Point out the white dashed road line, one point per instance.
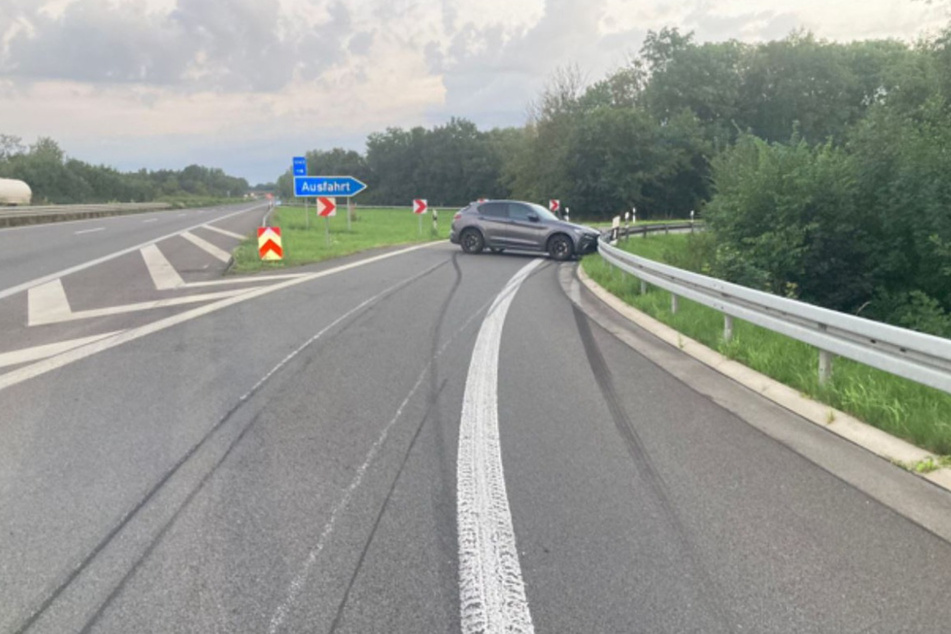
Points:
(491, 590)
(79, 233)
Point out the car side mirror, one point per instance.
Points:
(533, 217)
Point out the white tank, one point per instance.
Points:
(13, 192)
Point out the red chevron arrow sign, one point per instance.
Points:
(554, 204)
(419, 206)
(326, 207)
(269, 243)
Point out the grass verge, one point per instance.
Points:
(919, 414)
(305, 244)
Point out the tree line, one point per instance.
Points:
(56, 178)
(822, 168)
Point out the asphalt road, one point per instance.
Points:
(424, 441)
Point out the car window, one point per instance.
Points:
(519, 212)
(494, 210)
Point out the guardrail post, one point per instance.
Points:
(643, 287)
(727, 327)
(674, 304)
(825, 362)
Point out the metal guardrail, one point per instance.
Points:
(922, 358)
(49, 210)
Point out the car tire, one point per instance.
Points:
(472, 241)
(560, 247)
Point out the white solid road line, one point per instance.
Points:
(48, 365)
(46, 312)
(13, 290)
(150, 220)
(224, 232)
(79, 233)
(206, 246)
(491, 590)
(163, 273)
(36, 353)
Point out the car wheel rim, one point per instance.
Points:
(561, 248)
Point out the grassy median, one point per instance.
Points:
(371, 227)
(919, 414)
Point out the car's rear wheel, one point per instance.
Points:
(472, 241)
(560, 247)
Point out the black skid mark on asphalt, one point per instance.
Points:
(165, 528)
(338, 617)
(646, 469)
(129, 515)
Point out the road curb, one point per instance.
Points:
(870, 438)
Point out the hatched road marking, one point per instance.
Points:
(43, 366)
(224, 232)
(161, 270)
(7, 292)
(206, 246)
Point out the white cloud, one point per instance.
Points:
(215, 78)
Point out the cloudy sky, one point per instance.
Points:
(246, 84)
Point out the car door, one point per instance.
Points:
(526, 231)
(494, 221)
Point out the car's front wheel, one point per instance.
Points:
(560, 247)
(472, 241)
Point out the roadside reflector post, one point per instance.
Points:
(727, 328)
(615, 228)
(567, 214)
(435, 222)
(691, 221)
(674, 304)
(643, 287)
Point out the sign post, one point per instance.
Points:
(326, 207)
(419, 208)
(300, 169)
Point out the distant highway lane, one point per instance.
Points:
(411, 440)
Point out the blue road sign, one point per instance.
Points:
(342, 186)
(300, 166)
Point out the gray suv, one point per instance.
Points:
(512, 224)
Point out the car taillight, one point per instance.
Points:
(457, 216)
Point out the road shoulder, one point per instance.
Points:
(864, 461)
